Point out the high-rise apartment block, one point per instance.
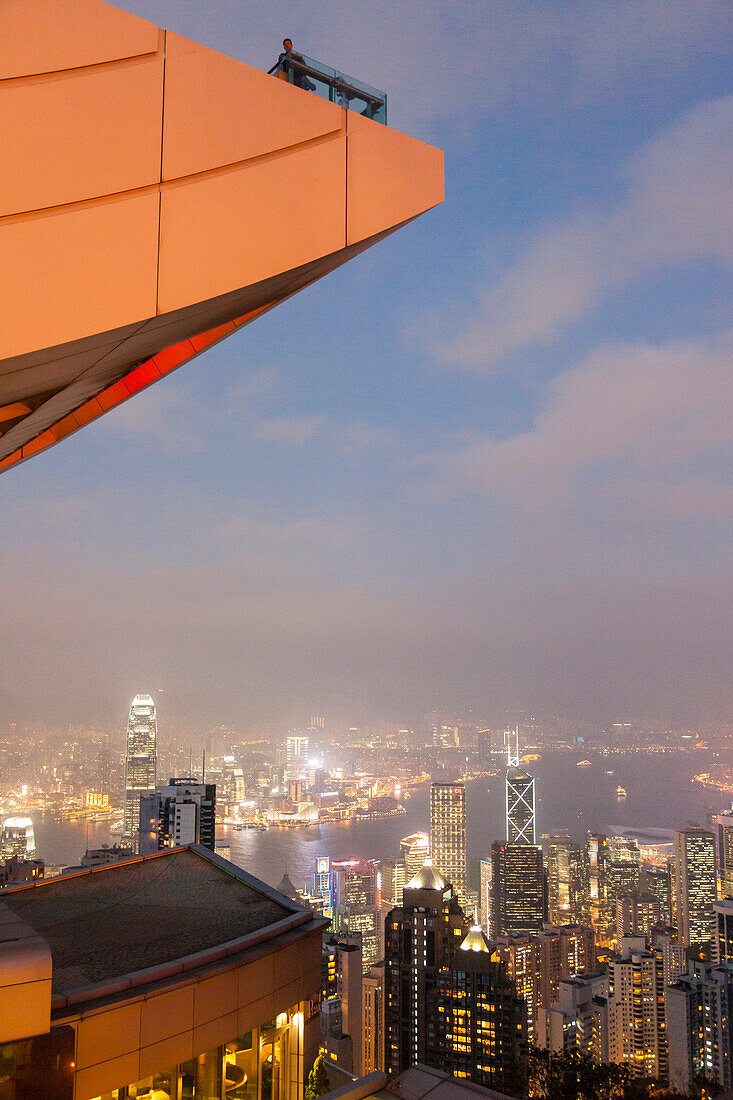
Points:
(480, 1022)
(341, 1020)
(518, 889)
(538, 963)
(181, 812)
(696, 885)
(372, 1016)
(141, 757)
(724, 826)
(637, 1032)
(419, 939)
(723, 940)
(657, 880)
(577, 1022)
(699, 1009)
(448, 833)
(636, 914)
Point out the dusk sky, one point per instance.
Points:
(486, 464)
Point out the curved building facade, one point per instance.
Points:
(156, 196)
(177, 975)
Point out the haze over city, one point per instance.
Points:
(365, 473)
(485, 464)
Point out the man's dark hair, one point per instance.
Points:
(286, 40)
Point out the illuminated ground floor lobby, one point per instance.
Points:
(266, 1063)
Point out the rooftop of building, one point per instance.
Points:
(475, 940)
(427, 878)
(417, 1083)
(133, 920)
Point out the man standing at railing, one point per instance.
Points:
(300, 80)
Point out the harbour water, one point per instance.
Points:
(660, 795)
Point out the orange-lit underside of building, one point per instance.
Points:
(154, 197)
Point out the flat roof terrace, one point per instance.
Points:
(147, 918)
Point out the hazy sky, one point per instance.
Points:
(487, 462)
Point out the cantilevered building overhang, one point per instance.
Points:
(154, 197)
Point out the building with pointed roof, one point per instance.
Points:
(427, 878)
(475, 940)
(448, 1004)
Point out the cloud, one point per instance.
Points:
(360, 435)
(289, 431)
(649, 428)
(677, 209)
(179, 414)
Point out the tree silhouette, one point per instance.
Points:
(317, 1079)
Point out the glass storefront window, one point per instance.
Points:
(159, 1086)
(240, 1069)
(271, 1067)
(201, 1078)
(263, 1064)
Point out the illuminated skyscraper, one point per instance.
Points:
(724, 823)
(393, 881)
(623, 870)
(296, 756)
(372, 1020)
(447, 1004)
(518, 889)
(17, 838)
(140, 760)
(484, 897)
(448, 833)
(563, 880)
(414, 850)
(355, 895)
(520, 817)
(696, 885)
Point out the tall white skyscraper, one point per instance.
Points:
(520, 813)
(414, 850)
(140, 760)
(448, 833)
(296, 756)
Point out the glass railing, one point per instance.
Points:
(332, 85)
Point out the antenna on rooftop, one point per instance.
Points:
(512, 754)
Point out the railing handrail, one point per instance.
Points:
(338, 80)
